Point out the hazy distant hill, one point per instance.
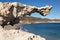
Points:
(30, 20)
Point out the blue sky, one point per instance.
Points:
(54, 13)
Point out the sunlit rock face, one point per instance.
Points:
(11, 13)
(44, 10)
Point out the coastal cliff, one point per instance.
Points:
(31, 20)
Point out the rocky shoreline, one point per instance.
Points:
(18, 35)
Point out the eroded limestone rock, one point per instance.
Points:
(11, 13)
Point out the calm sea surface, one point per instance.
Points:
(50, 31)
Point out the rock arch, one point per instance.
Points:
(11, 13)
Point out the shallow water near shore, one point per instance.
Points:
(50, 31)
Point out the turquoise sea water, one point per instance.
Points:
(50, 31)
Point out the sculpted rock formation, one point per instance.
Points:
(11, 13)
